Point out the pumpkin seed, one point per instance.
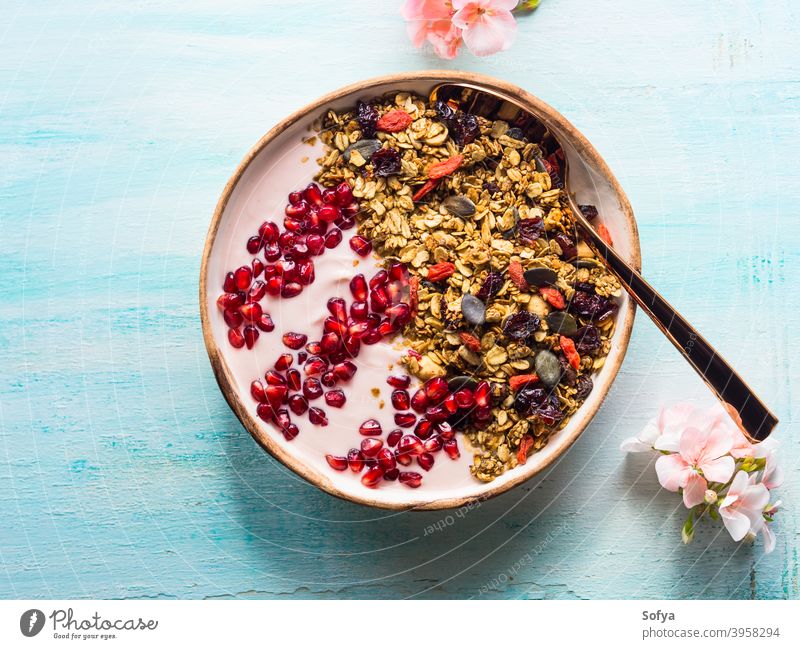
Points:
(365, 149)
(473, 310)
(548, 369)
(459, 205)
(562, 323)
(586, 263)
(540, 276)
(461, 382)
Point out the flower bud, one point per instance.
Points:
(711, 497)
(749, 538)
(687, 531)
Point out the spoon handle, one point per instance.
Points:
(753, 417)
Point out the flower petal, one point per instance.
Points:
(672, 471)
(634, 445)
(718, 442)
(490, 33)
(754, 498)
(719, 470)
(692, 444)
(695, 490)
(737, 524)
(769, 539)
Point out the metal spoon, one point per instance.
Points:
(750, 413)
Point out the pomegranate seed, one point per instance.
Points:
(292, 289)
(329, 379)
(331, 324)
(305, 273)
(300, 251)
(358, 328)
(265, 412)
(257, 291)
(297, 210)
(394, 437)
(410, 445)
(398, 272)
(258, 266)
(400, 382)
(257, 391)
(315, 244)
(335, 398)
(274, 285)
(302, 357)
(381, 278)
(313, 194)
(405, 419)
(391, 474)
(355, 460)
(338, 308)
(265, 323)
(445, 430)
(345, 370)
(287, 240)
(314, 347)
(251, 311)
(371, 337)
(410, 479)
(229, 285)
(425, 460)
(402, 458)
(358, 287)
(482, 413)
(372, 477)
(400, 400)
(436, 389)
(328, 196)
(290, 432)
(371, 428)
(343, 193)
(251, 335)
(329, 213)
(451, 448)
(385, 458)
(436, 414)
(284, 362)
(269, 231)
(482, 394)
(295, 197)
(293, 379)
(419, 401)
(432, 444)
(315, 366)
(233, 319)
(336, 462)
(298, 404)
(449, 404)
(352, 346)
(312, 389)
(254, 244)
(329, 343)
(294, 340)
(317, 416)
(276, 394)
(229, 301)
(371, 446)
(243, 276)
(333, 238)
(464, 398)
(235, 338)
(378, 300)
(423, 428)
(272, 252)
(387, 328)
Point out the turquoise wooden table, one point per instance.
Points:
(123, 474)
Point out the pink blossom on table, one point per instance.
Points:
(702, 458)
(742, 508)
(488, 25)
(772, 477)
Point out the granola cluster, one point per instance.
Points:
(506, 290)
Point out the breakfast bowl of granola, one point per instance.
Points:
(395, 299)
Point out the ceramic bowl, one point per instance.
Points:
(281, 162)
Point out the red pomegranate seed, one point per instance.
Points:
(329, 379)
(313, 194)
(272, 252)
(290, 432)
(445, 430)
(329, 343)
(451, 448)
(356, 328)
(305, 273)
(230, 301)
(410, 479)
(405, 419)
(423, 428)
(409, 444)
(276, 394)
(229, 285)
(345, 370)
(391, 474)
(317, 416)
(328, 196)
(233, 319)
(251, 335)
(450, 404)
(257, 391)
(333, 238)
(436, 414)
(312, 388)
(265, 323)
(329, 213)
(284, 362)
(371, 446)
(257, 291)
(243, 276)
(298, 404)
(344, 195)
(398, 272)
(254, 245)
(292, 289)
(360, 245)
(345, 223)
(251, 311)
(355, 460)
(274, 285)
(314, 347)
(381, 278)
(302, 356)
(387, 328)
(235, 338)
(371, 337)
(269, 231)
(371, 428)
(432, 444)
(394, 437)
(483, 394)
(338, 308)
(258, 266)
(402, 458)
(425, 460)
(336, 462)
(419, 401)
(352, 346)
(436, 389)
(315, 244)
(335, 398)
(378, 300)
(358, 287)
(315, 366)
(464, 398)
(331, 324)
(297, 210)
(294, 340)
(385, 458)
(400, 400)
(372, 477)
(265, 412)
(400, 382)
(293, 379)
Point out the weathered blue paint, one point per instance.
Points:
(122, 471)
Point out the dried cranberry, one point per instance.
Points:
(385, 162)
(550, 413)
(367, 117)
(491, 286)
(528, 399)
(587, 339)
(589, 211)
(591, 306)
(528, 230)
(520, 326)
(464, 127)
(567, 245)
(583, 386)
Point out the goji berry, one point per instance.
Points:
(445, 167)
(470, 342)
(553, 297)
(440, 271)
(516, 274)
(424, 190)
(568, 347)
(394, 121)
(605, 235)
(524, 446)
(516, 382)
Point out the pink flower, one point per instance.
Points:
(664, 432)
(488, 25)
(701, 458)
(742, 509)
(431, 20)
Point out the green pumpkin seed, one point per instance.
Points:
(473, 310)
(364, 147)
(459, 205)
(461, 382)
(586, 263)
(540, 276)
(548, 369)
(562, 323)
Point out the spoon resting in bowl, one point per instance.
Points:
(746, 409)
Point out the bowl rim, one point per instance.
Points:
(223, 373)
